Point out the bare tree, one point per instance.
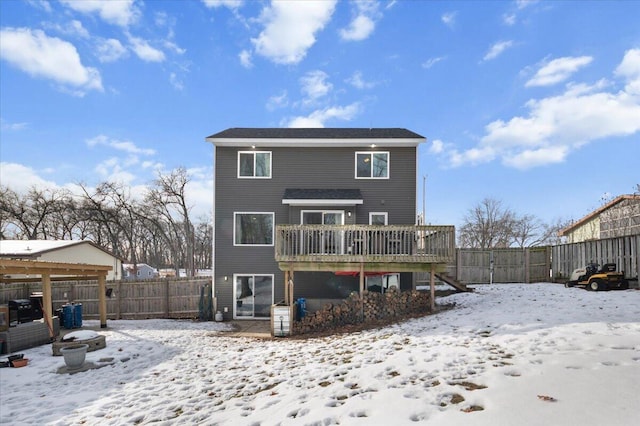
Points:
(203, 243)
(157, 230)
(487, 225)
(96, 208)
(167, 200)
(29, 213)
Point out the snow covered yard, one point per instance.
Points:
(537, 354)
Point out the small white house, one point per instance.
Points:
(141, 271)
(66, 251)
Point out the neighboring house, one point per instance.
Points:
(296, 205)
(67, 251)
(620, 217)
(141, 271)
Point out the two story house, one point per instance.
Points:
(316, 213)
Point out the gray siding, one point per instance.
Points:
(299, 168)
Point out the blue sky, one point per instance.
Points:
(533, 103)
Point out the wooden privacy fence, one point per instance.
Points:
(165, 298)
(623, 251)
(517, 265)
(542, 264)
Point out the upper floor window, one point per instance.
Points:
(253, 229)
(372, 165)
(378, 218)
(254, 164)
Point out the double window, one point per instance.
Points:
(253, 229)
(372, 165)
(254, 164)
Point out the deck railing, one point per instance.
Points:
(365, 243)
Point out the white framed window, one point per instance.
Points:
(254, 164)
(378, 218)
(372, 165)
(253, 229)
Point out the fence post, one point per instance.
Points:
(166, 294)
(527, 266)
(119, 301)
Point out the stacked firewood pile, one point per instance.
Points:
(373, 308)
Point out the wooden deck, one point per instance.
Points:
(401, 248)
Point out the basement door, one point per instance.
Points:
(253, 295)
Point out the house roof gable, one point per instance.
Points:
(596, 213)
(242, 136)
(35, 248)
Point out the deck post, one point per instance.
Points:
(286, 286)
(102, 299)
(291, 287)
(47, 313)
(432, 288)
(362, 290)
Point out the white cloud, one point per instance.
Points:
(319, 117)
(176, 81)
(22, 178)
(629, 69)
(40, 4)
(436, 146)
(558, 70)
(75, 27)
(125, 146)
(557, 125)
(315, 85)
(110, 50)
(449, 19)
(4, 125)
(277, 101)
(290, 29)
(170, 45)
(357, 81)
(145, 51)
(71, 28)
(509, 19)
(364, 22)
(431, 62)
(120, 12)
(528, 159)
(231, 4)
(471, 156)
(245, 59)
(47, 57)
(522, 4)
(111, 170)
(359, 29)
(497, 49)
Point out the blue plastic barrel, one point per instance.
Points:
(67, 316)
(302, 306)
(77, 315)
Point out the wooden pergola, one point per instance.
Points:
(46, 272)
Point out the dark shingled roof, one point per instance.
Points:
(321, 194)
(315, 133)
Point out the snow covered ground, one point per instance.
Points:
(537, 354)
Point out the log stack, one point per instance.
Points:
(373, 308)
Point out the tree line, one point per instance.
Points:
(490, 224)
(156, 229)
